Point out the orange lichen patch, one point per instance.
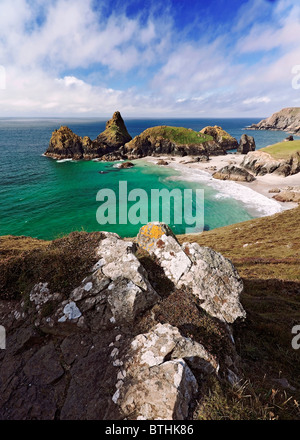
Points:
(149, 234)
(152, 231)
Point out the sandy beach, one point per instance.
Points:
(262, 184)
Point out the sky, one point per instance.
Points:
(170, 58)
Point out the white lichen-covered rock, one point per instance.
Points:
(215, 281)
(155, 380)
(40, 294)
(118, 260)
(118, 281)
(162, 393)
(158, 239)
(70, 312)
(210, 276)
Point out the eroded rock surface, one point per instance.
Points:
(207, 273)
(233, 172)
(101, 350)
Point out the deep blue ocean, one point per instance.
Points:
(45, 198)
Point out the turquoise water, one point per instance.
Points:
(45, 198)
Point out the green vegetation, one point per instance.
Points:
(282, 150)
(178, 135)
(266, 252)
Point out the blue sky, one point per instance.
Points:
(171, 58)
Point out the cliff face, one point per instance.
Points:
(174, 141)
(64, 144)
(287, 119)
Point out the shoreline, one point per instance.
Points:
(261, 184)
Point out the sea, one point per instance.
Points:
(46, 198)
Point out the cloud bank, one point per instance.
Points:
(85, 58)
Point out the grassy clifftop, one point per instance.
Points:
(178, 135)
(282, 150)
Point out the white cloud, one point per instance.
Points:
(211, 74)
(257, 100)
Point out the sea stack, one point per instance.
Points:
(247, 143)
(64, 144)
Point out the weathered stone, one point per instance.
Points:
(224, 139)
(215, 281)
(64, 144)
(287, 119)
(233, 172)
(159, 240)
(154, 387)
(261, 163)
(247, 143)
(95, 365)
(209, 275)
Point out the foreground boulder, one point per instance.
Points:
(156, 366)
(210, 276)
(105, 349)
(233, 172)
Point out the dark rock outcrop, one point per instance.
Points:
(233, 172)
(287, 119)
(106, 349)
(64, 144)
(126, 165)
(247, 143)
(289, 138)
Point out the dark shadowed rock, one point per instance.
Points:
(125, 165)
(247, 143)
(289, 138)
